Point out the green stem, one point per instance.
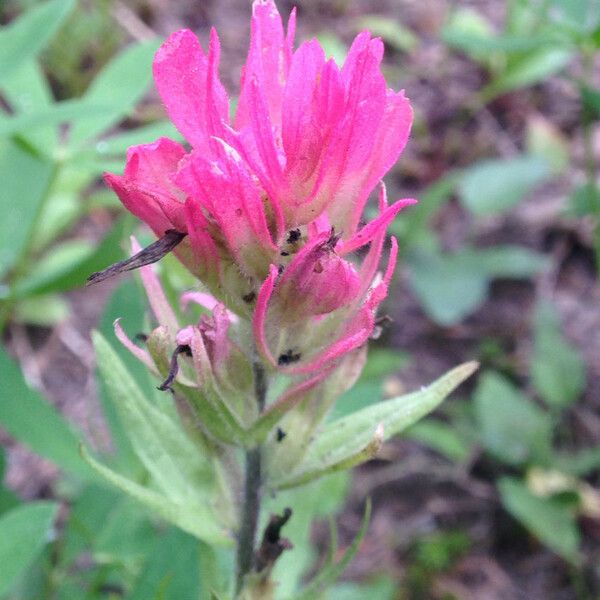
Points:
(252, 484)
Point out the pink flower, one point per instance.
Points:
(272, 201)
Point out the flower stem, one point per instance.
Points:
(252, 483)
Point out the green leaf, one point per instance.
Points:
(318, 500)
(32, 420)
(391, 31)
(448, 286)
(546, 140)
(118, 144)
(590, 99)
(495, 186)
(334, 47)
(72, 111)
(509, 261)
(127, 303)
(410, 224)
(125, 535)
(557, 370)
(171, 570)
(24, 531)
(451, 286)
(179, 467)
(580, 463)
(440, 437)
(549, 520)
(44, 311)
(332, 571)
(68, 266)
(26, 36)
(8, 499)
(194, 519)
(383, 588)
(511, 427)
(120, 85)
(25, 181)
(357, 437)
(585, 200)
(529, 69)
(27, 91)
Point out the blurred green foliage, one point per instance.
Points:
(67, 85)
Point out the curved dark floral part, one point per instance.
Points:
(147, 256)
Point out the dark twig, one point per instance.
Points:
(151, 254)
(174, 367)
(273, 544)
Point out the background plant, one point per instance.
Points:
(553, 219)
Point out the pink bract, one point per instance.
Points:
(272, 200)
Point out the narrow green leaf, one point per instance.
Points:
(171, 571)
(190, 518)
(494, 186)
(557, 370)
(32, 420)
(530, 69)
(590, 98)
(118, 144)
(24, 38)
(120, 85)
(580, 463)
(441, 437)
(331, 573)
(392, 31)
(73, 270)
(25, 181)
(177, 465)
(24, 531)
(549, 520)
(27, 92)
(350, 439)
(72, 111)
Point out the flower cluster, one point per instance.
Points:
(271, 201)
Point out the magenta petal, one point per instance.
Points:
(190, 88)
(206, 253)
(146, 189)
(140, 353)
(228, 193)
(138, 203)
(379, 293)
(301, 134)
(375, 227)
(260, 315)
(356, 335)
(158, 301)
(267, 62)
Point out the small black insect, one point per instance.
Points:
(284, 253)
(280, 434)
(293, 236)
(288, 357)
(249, 297)
(333, 239)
